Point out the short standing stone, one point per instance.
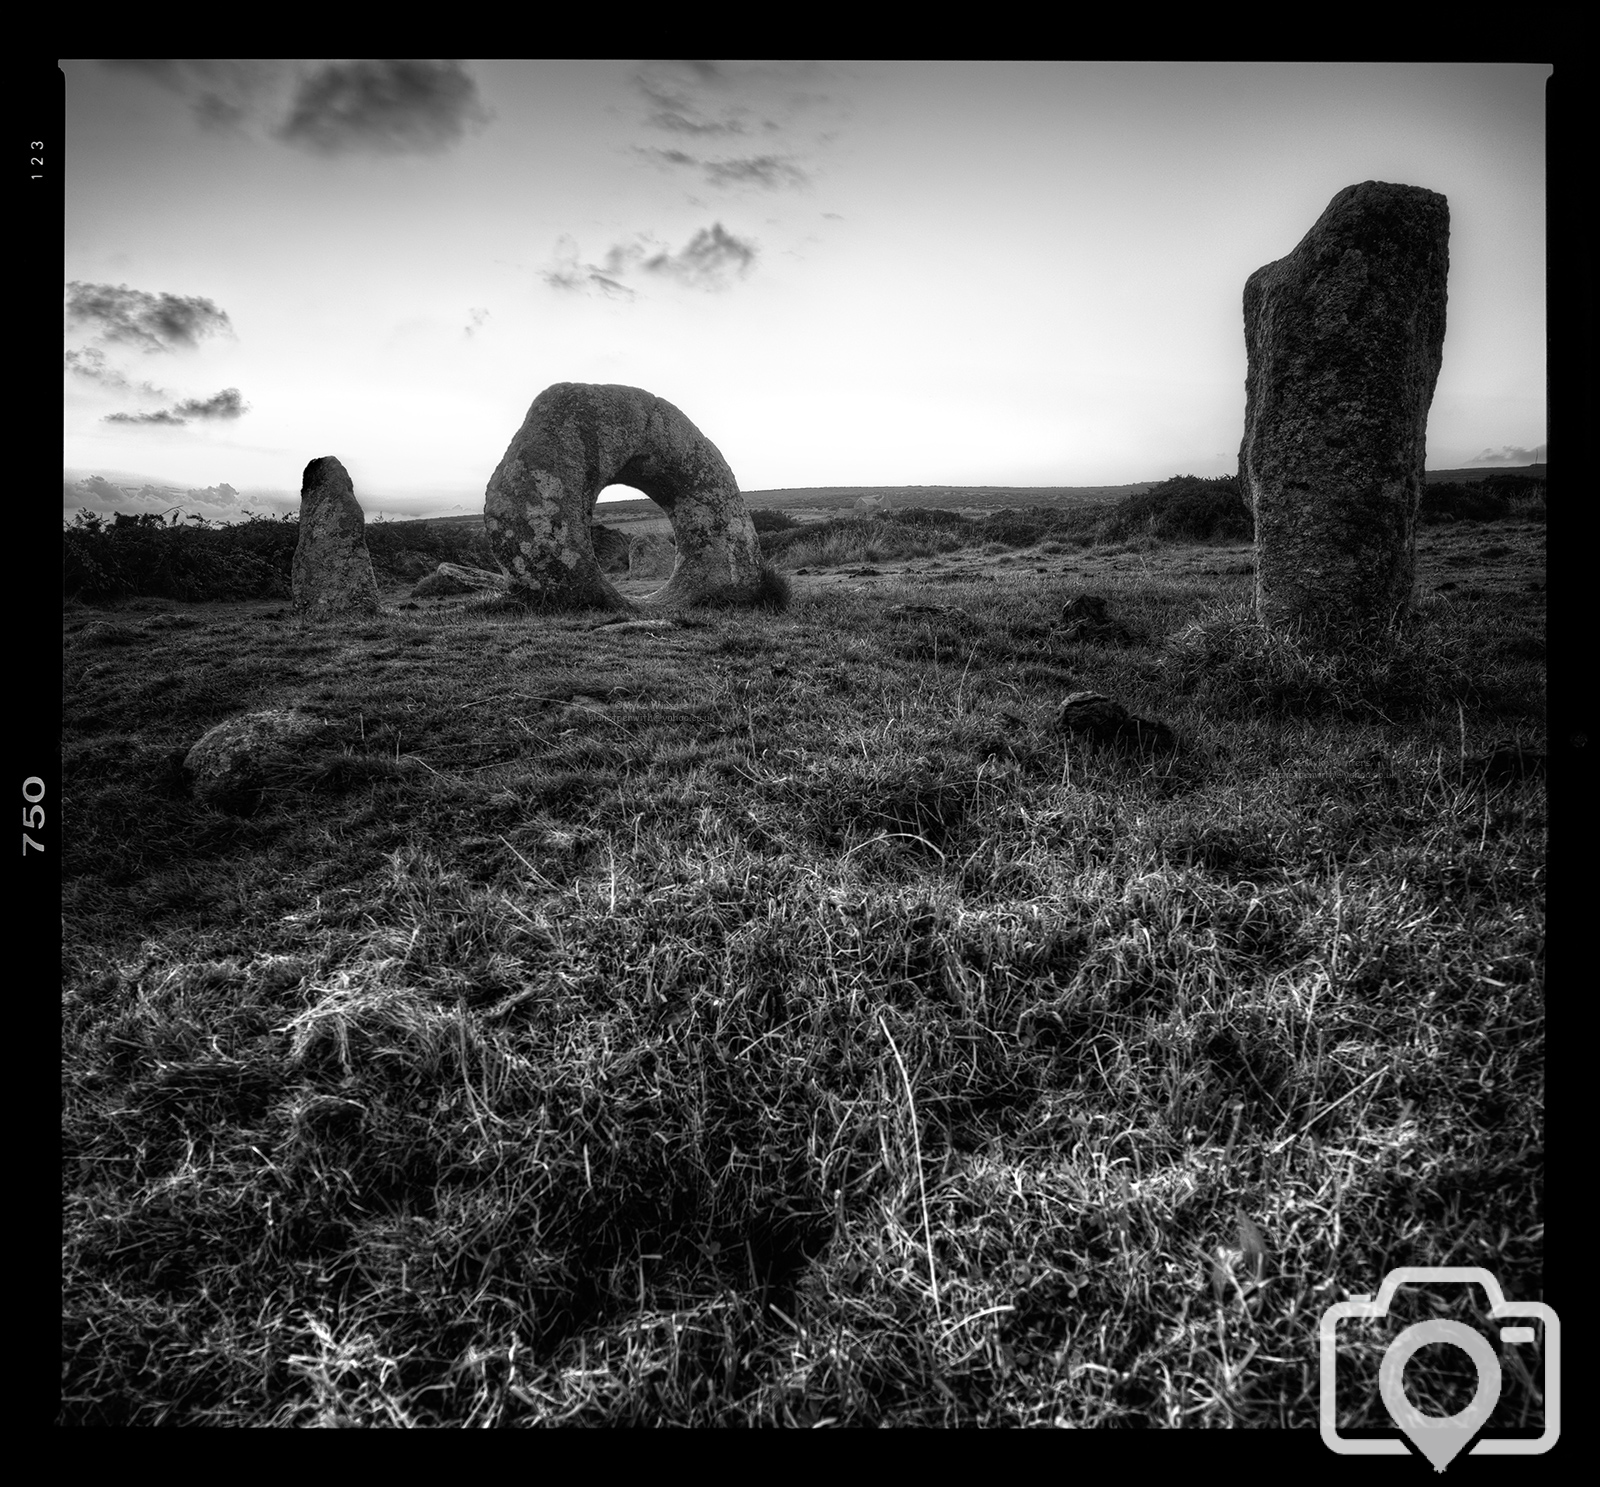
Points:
(332, 568)
(1344, 338)
(580, 437)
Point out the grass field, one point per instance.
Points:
(773, 1019)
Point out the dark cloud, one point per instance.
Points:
(222, 93)
(675, 92)
(1507, 454)
(772, 172)
(383, 107)
(153, 322)
(225, 404)
(712, 255)
(91, 364)
(161, 415)
(708, 99)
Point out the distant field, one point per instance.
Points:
(824, 500)
(821, 500)
(1481, 472)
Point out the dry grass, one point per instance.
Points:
(770, 1019)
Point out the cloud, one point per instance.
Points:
(153, 322)
(588, 280)
(222, 93)
(704, 99)
(104, 497)
(570, 274)
(225, 404)
(710, 257)
(771, 172)
(676, 93)
(218, 497)
(1507, 454)
(477, 317)
(91, 364)
(96, 492)
(387, 108)
(161, 415)
(794, 109)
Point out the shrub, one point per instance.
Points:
(1451, 501)
(142, 555)
(774, 521)
(928, 517)
(194, 559)
(773, 591)
(1493, 498)
(859, 539)
(1185, 508)
(1516, 487)
(1018, 528)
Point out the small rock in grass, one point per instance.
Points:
(1104, 720)
(230, 767)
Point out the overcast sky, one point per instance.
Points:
(866, 273)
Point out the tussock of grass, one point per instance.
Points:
(771, 1019)
(1428, 665)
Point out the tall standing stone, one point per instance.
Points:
(578, 438)
(1345, 338)
(332, 567)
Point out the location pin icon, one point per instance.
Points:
(1439, 1437)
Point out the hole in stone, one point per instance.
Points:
(639, 518)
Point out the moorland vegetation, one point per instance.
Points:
(771, 1017)
(186, 557)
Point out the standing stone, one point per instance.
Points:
(580, 437)
(332, 568)
(1344, 338)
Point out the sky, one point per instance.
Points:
(845, 274)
